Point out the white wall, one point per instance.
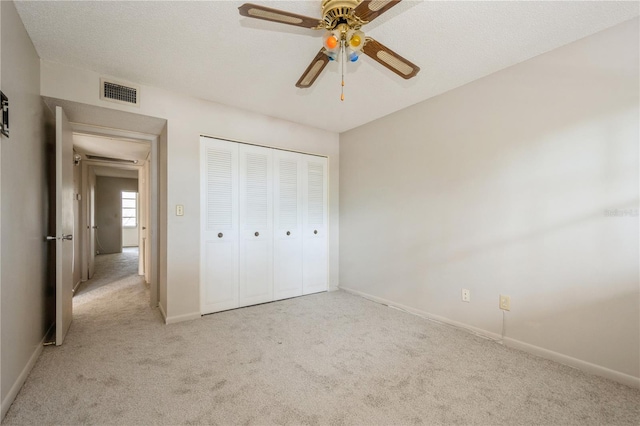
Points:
(188, 118)
(24, 209)
(502, 187)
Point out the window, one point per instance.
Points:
(129, 209)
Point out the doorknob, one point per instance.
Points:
(220, 235)
(256, 234)
(49, 238)
(288, 232)
(315, 231)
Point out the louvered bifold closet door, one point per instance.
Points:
(287, 268)
(219, 215)
(314, 222)
(256, 225)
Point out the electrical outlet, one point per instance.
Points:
(505, 303)
(466, 295)
(179, 210)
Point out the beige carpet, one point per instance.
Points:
(330, 358)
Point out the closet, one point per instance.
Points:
(263, 225)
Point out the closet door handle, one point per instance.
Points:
(288, 233)
(219, 234)
(257, 234)
(315, 231)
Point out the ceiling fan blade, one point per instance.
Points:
(390, 59)
(275, 15)
(313, 70)
(369, 10)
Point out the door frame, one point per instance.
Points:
(152, 200)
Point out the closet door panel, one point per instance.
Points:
(256, 225)
(287, 225)
(219, 216)
(315, 266)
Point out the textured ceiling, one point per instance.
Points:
(205, 49)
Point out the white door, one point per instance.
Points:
(315, 276)
(92, 222)
(147, 220)
(256, 225)
(219, 236)
(287, 269)
(64, 225)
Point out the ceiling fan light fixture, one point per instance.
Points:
(343, 39)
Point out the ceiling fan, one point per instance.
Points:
(342, 21)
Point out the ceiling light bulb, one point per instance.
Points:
(356, 40)
(330, 41)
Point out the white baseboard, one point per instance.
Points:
(17, 385)
(180, 318)
(478, 331)
(585, 366)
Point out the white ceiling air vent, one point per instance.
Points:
(122, 93)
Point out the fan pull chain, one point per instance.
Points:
(343, 59)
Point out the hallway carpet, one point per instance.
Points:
(330, 358)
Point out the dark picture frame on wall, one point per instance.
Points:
(5, 114)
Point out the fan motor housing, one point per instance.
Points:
(336, 12)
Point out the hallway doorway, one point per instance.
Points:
(105, 140)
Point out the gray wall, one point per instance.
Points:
(24, 208)
(504, 186)
(109, 213)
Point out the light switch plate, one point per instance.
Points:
(505, 303)
(179, 210)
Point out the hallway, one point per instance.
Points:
(113, 295)
(110, 269)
